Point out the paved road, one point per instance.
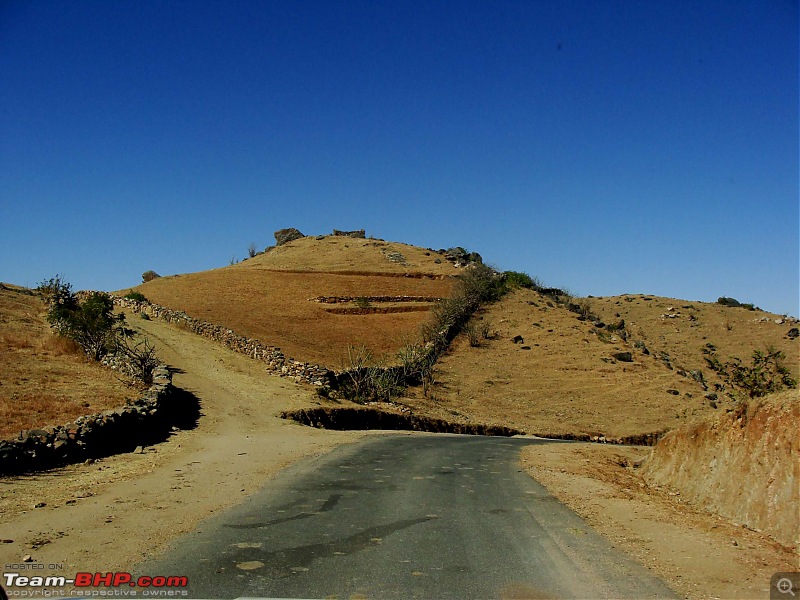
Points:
(405, 516)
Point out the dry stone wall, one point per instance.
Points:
(92, 436)
(274, 360)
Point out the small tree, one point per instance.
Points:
(91, 323)
(252, 250)
(94, 325)
(766, 373)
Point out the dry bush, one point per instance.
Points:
(60, 346)
(367, 379)
(473, 334)
(15, 341)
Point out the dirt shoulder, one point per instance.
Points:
(113, 513)
(699, 555)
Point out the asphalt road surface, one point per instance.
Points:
(405, 516)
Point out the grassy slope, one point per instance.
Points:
(44, 379)
(562, 384)
(269, 297)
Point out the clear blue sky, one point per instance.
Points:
(604, 146)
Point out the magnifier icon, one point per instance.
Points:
(784, 586)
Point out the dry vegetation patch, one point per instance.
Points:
(277, 307)
(560, 376)
(343, 254)
(44, 379)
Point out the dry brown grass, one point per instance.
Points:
(562, 384)
(44, 379)
(270, 299)
(342, 254)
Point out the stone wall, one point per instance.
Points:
(357, 233)
(274, 360)
(92, 436)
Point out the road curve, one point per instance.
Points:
(405, 516)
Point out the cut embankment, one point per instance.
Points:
(369, 418)
(344, 419)
(741, 465)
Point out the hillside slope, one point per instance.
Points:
(562, 377)
(273, 296)
(44, 379)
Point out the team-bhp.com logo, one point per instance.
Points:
(19, 585)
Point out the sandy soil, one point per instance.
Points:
(697, 554)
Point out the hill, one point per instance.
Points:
(275, 297)
(616, 366)
(547, 370)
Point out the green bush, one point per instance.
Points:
(734, 303)
(765, 374)
(136, 296)
(91, 323)
(515, 279)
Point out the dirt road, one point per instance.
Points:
(114, 513)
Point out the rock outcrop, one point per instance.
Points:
(284, 236)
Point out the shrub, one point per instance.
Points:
(140, 358)
(362, 302)
(766, 373)
(91, 323)
(365, 379)
(252, 250)
(416, 361)
(136, 296)
(149, 276)
(58, 293)
(515, 279)
(473, 334)
(733, 302)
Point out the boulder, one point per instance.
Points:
(149, 276)
(284, 236)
